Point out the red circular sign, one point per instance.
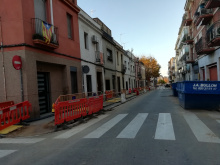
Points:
(16, 61)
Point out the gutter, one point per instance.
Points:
(3, 64)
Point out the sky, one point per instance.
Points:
(148, 27)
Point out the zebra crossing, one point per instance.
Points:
(164, 130)
(133, 127)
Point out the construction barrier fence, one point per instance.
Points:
(6, 104)
(14, 114)
(77, 108)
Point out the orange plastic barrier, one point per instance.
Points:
(95, 104)
(109, 94)
(6, 104)
(14, 114)
(70, 110)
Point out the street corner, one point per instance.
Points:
(31, 130)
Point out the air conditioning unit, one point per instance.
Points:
(217, 32)
(94, 39)
(204, 11)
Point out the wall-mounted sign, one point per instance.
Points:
(16, 61)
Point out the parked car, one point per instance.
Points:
(167, 85)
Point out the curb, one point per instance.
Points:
(105, 108)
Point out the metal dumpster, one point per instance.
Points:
(175, 93)
(199, 94)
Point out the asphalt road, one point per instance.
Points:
(149, 130)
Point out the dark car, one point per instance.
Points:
(167, 85)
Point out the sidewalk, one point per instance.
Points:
(46, 125)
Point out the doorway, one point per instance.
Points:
(89, 83)
(99, 82)
(44, 92)
(119, 86)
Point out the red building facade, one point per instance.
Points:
(49, 68)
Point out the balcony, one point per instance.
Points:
(203, 17)
(213, 35)
(189, 59)
(184, 35)
(201, 47)
(212, 4)
(189, 40)
(123, 69)
(188, 19)
(184, 53)
(99, 58)
(40, 39)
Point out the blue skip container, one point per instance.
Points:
(175, 93)
(199, 94)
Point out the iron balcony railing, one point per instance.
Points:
(38, 31)
(188, 19)
(201, 47)
(123, 68)
(204, 15)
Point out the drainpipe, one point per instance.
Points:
(3, 65)
(51, 14)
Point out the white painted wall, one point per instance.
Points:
(207, 60)
(89, 26)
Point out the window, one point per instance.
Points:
(69, 26)
(109, 54)
(86, 40)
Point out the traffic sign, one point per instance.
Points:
(16, 61)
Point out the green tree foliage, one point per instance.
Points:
(161, 82)
(152, 67)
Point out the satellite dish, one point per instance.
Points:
(85, 69)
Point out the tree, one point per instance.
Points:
(161, 82)
(152, 67)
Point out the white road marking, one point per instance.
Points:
(164, 130)
(105, 127)
(20, 140)
(133, 127)
(79, 128)
(4, 153)
(218, 121)
(200, 130)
